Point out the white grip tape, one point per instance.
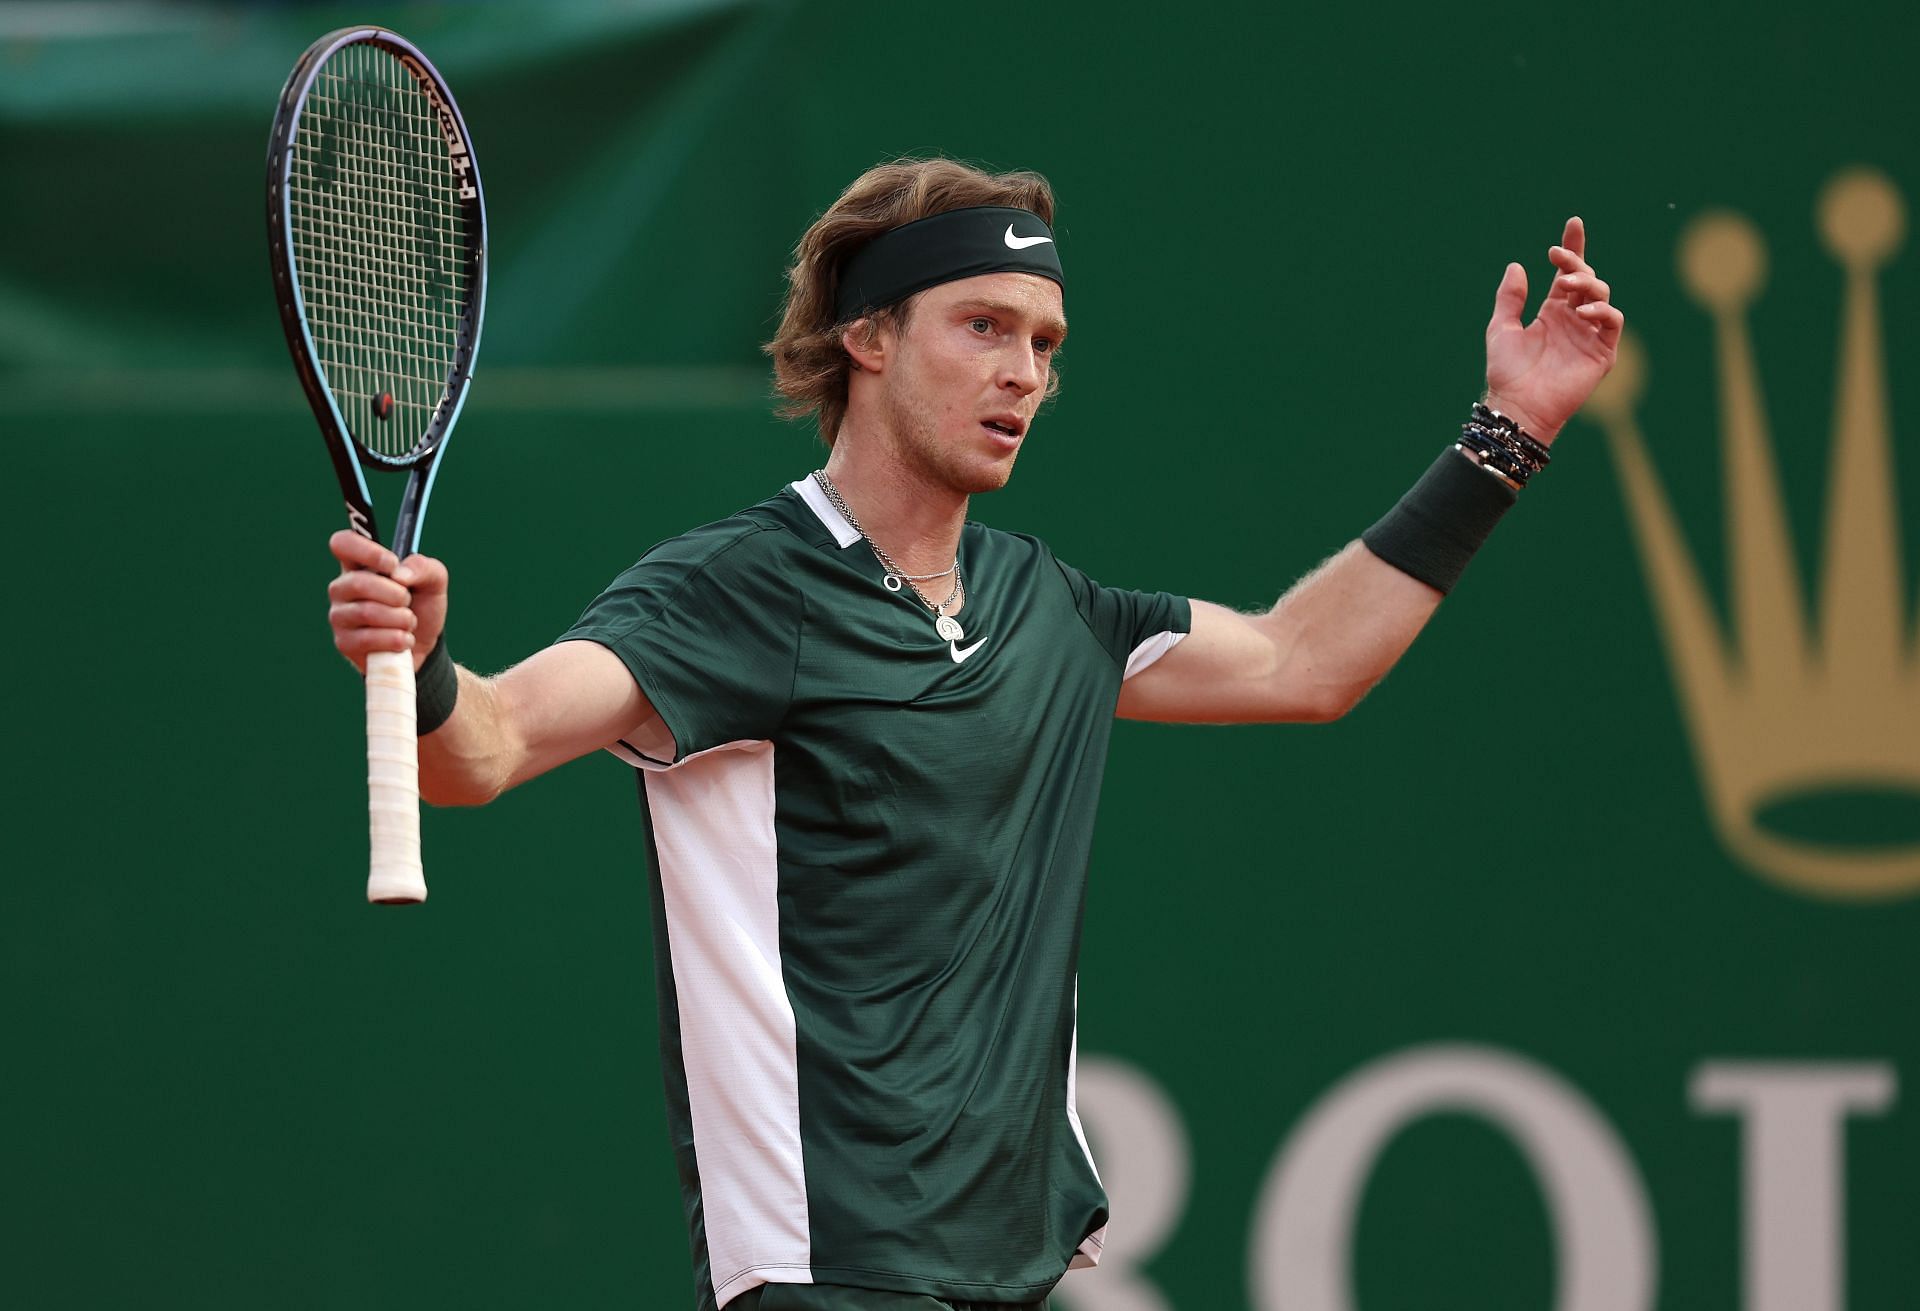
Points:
(393, 780)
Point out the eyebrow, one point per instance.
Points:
(1055, 328)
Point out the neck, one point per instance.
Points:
(913, 517)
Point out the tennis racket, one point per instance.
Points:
(377, 235)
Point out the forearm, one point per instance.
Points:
(1336, 632)
(1339, 630)
(554, 706)
(470, 759)
(1347, 623)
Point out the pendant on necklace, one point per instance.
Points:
(949, 629)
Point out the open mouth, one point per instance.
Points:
(1002, 426)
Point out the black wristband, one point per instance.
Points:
(1441, 521)
(435, 688)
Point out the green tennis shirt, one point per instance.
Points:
(869, 860)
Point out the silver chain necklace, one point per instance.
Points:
(943, 623)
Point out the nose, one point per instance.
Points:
(1023, 370)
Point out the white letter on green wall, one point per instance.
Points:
(1303, 1227)
(1794, 1171)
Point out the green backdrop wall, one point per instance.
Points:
(1484, 997)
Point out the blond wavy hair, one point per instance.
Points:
(810, 362)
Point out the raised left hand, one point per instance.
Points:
(1540, 373)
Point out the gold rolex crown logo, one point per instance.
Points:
(1783, 708)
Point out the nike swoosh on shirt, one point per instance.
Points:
(1021, 243)
(960, 656)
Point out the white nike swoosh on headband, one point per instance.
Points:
(960, 656)
(1021, 243)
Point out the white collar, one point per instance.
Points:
(836, 523)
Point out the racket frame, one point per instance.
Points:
(348, 453)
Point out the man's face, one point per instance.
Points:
(962, 383)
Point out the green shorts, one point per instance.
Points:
(829, 1297)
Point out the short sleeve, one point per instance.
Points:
(709, 628)
(1136, 628)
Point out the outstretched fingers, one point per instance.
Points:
(1576, 285)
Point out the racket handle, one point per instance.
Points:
(393, 781)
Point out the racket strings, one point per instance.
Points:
(381, 246)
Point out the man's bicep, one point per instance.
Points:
(1214, 675)
(574, 698)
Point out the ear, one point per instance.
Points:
(866, 342)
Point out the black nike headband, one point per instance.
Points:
(961, 243)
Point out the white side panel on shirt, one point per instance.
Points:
(719, 876)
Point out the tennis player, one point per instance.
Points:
(871, 736)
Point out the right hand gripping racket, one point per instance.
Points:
(377, 235)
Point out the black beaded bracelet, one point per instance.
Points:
(435, 688)
(1496, 427)
(1493, 457)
